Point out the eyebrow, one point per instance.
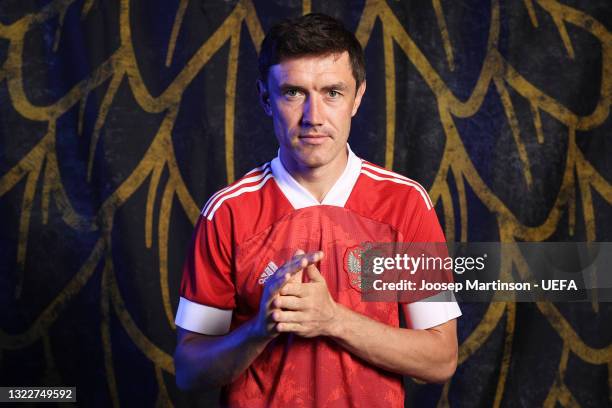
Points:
(286, 86)
(341, 86)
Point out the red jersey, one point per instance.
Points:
(249, 229)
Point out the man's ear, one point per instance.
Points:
(264, 97)
(358, 96)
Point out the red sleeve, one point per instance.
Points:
(421, 226)
(421, 223)
(207, 272)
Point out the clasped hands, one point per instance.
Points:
(290, 305)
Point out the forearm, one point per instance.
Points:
(429, 355)
(213, 361)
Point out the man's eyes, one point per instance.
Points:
(293, 93)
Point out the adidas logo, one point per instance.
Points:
(269, 271)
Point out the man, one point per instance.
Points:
(301, 334)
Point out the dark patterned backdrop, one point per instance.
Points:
(119, 118)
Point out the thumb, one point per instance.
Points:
(313, 274)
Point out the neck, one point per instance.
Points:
(317, 180)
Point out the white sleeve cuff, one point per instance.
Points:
(432, 311)
(202, 319)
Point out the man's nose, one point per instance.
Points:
(312, 112)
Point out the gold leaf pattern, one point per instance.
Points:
(40, 164)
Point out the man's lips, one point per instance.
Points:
(316, 138)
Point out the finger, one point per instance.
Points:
(270, 322)
(297, 277)
(270, 311)
(296, 264)
(311, 258)
(285, 272)
(313, 274)
(299, 261)
(314, 257)
(277, 281)
(289, 327)
(281, 316)
(293, 289)
(288, 303)
(292, 267)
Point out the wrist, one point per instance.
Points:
(337, 323)
(257, 332)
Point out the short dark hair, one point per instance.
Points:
(311, 34)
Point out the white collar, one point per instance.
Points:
(299, 197)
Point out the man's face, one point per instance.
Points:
(311, 100)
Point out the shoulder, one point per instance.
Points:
(398, 201)
(241, 194)
(394, 186)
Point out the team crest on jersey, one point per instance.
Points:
(354, 258)
(352, 263)
(269, 271)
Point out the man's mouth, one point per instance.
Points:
(314, 138)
